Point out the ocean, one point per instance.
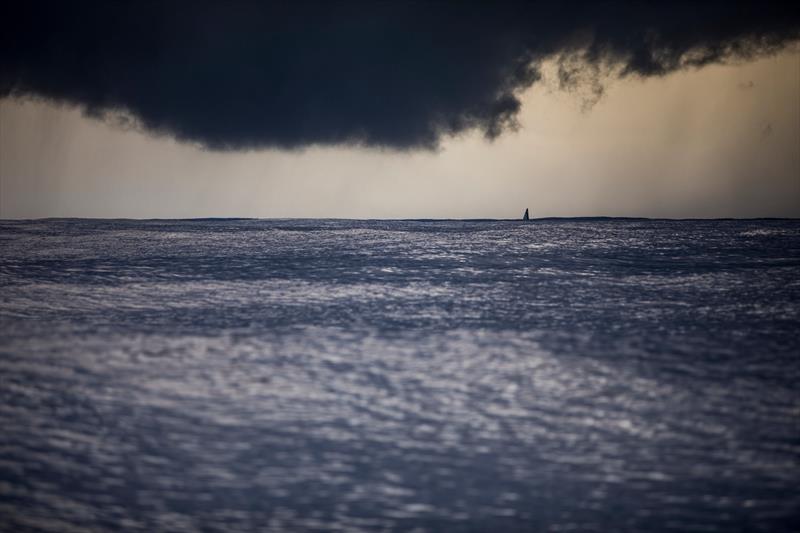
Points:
(340, 375)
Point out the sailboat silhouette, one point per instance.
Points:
(525, 216)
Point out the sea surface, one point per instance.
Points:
(336, 375)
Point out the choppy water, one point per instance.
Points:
(237, 375)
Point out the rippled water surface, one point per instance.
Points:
(239, 375)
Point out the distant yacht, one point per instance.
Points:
(525, 216)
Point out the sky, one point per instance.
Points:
(643, 112)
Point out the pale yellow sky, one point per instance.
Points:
(723, 141)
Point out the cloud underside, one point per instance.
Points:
(233, 76)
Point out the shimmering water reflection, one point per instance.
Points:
(239, 375)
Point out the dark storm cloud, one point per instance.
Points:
(394, 74)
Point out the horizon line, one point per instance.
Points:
(419, 219)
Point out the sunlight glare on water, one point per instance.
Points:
(276, 375)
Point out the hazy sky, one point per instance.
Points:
(399, 109)
(716, 142)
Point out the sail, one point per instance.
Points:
(525, 216)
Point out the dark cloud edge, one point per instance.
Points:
(486, 98)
